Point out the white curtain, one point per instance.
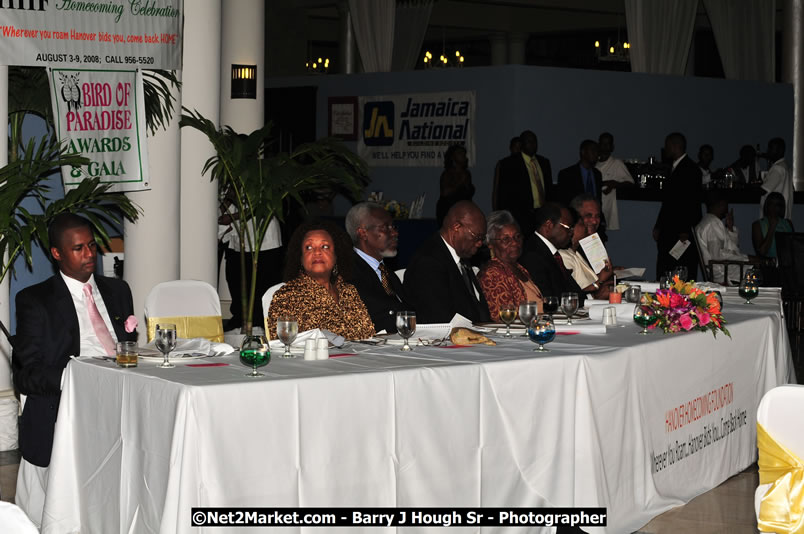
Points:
(412, 18)
(660, 33)
(373, 24)
(745, 36)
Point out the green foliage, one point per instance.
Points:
(158, 98)
(25, 178)
(259, 183)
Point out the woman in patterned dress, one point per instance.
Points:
(504, 281)
(315, 293)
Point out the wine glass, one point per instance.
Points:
(644, 315)
(569, 305)
(254, 352)
(749, 287)
(681, 272)
(550, 305)
(542, 331)
(508, 316)
(527, 311)
(165, 342)
(406, 326)
(287, 328)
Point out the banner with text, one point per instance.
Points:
(92, 33)
(414, 130)
(101, 114)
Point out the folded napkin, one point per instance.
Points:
(625, 311)
(585, 328)
(316, 333)
(198, 345)
(649, 287)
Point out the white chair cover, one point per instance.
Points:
(14, 519)
(182, 298)
(779, 413)
(266, 302)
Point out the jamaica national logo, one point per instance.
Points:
(70, 91)
(378, 123)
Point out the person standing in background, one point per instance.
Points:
(615, 175)
(456, 181)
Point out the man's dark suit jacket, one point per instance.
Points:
(514, 192)
(381, 307)
(545, 272)
(570, 184)
(435, 287)
(47, 335)
(680, 212)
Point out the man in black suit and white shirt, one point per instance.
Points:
(583, 178)
(73, 312)
(439, 280)
(375, 238)
(681, 209)
(525, 181)
(541, 258)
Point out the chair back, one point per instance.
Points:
(266, 302)
(779, 413)
(194, 307)
(790, 255)
(15, 520)
(706, 273)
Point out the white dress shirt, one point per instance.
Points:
(612, 169)
(717, 242)
(457, 260)
(779, 180)
(90, 345)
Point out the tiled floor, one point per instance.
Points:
(729, 508)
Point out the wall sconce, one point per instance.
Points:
(244, 81)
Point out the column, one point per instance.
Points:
(152, 243)
(242, 43)
(516, 47)
(201, 91)
(347, 40)
(792, 64)
(6, 387)
(499, 48)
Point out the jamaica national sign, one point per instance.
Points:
(414, 130)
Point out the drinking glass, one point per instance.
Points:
(569, 305)
(542, 331)
(681, 272)
(633, 293)
(644, 315)
(406, 326)
(550, 305)
(749, 287)
(287, 328)
(165, 342)
(254, 351)
(527, 311)
(508, 316)
(127, 353)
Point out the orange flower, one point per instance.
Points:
(664, 300)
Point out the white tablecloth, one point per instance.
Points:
(588, 424)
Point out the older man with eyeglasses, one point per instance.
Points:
(554, 227)
(375, 238)
(439, 280)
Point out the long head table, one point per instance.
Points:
(636, 424)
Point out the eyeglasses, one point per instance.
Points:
(566, 226)
(475, 236)
(508, 240)
(387, 228)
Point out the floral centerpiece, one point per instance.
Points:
(686, 307)
(398, 210)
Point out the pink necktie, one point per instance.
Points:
(98, 325)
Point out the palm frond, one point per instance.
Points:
(156, 86)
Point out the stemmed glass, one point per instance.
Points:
(550, 305)
(542, 331)
(165, 342)
(254, 352)
(508, 316)
(749, 288)
(406, 326)
(287, 328)
(527, 311)
(681, 272)
(644, 314)
(569, 305)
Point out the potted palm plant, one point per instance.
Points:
(261, 183)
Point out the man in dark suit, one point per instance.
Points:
(375, 238)
(583, 177)
(73, 312)
(541, 258)
(439, 280)
(680, 211)
(525, 181)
